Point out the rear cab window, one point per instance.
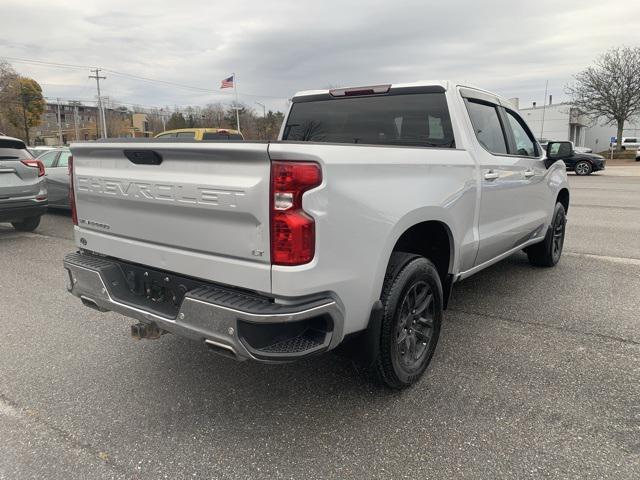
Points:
(401, 119)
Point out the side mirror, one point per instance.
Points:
(558, 151)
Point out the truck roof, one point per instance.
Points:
(444, 84)
(423, 83)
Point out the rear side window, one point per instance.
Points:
(630, 140)
(487, 126)
(14, 154)
(418, 119)
(186, 134)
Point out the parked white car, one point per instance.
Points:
(638, 155)
(631, 143)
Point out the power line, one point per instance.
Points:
(133, 77)
(41, 62)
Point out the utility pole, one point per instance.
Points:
(97, 76)
(264, 109)
(59, 123)
(75, 119)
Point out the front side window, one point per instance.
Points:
(525, 146)
(487, 127)
(416, 119)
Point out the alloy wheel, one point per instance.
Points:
(583, 168)
(414, 327)
(558, 236)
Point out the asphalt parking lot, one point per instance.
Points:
(537, 375)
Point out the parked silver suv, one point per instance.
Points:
(23, 191)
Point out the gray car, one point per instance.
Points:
(23, 191)
(56, 164)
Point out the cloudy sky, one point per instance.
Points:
(279, 47)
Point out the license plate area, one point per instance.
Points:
(155, 291)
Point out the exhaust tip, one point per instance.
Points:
(221, 349)
(91, 303)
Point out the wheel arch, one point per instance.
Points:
(431, 239)
(413, 235)
(563, 198)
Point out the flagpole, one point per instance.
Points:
(235, 90)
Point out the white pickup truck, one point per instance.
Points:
(349, 230)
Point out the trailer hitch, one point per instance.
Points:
(150, 331)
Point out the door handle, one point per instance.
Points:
(529, 173)
(491, 175)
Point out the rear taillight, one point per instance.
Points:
(35, 164)
(293, 232)
(72, 196)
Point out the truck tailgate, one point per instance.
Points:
(203, 211)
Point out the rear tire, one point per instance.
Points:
(27, 224)
(548, 252)
(412, 314)
(583, 168)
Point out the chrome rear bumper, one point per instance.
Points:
(244, 325)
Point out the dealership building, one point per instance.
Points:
(561, 121)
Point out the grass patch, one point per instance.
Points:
(619, 155)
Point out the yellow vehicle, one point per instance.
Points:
(202, 134)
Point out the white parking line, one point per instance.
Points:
(606, 258)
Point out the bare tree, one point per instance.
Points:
(610, 88)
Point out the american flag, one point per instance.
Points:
(227, 82)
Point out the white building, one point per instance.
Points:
(558, 121)
(561, 121)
